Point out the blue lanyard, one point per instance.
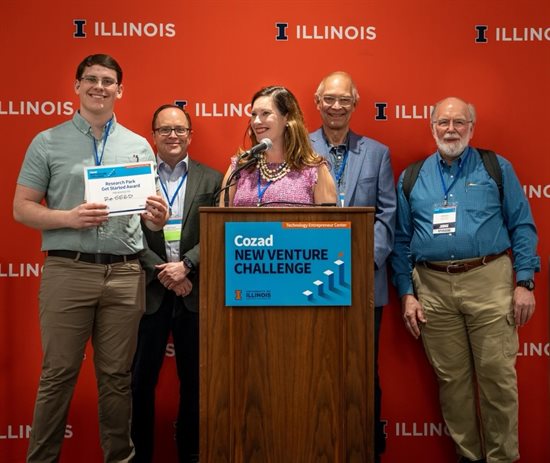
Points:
(342, 167)
(165, 190)
(261, 191)
(99, 159)
(444, 186)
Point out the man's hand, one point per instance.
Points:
(156, 213)
(172, 274)
(524, 305)
(183, 288)
(413, 314)
(87, 215)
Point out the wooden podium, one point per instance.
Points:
(286, 384)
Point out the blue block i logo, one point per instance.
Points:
(281, 31)
(481, 34)
(79, 28)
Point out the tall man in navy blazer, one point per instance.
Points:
(172, 299)
(363, 174)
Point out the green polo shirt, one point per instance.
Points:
(54, 164)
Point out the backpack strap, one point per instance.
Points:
(492, 167)
(410, 176)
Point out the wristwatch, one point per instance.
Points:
(187, 262)
(527, 284)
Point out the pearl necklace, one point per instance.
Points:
(272, 175)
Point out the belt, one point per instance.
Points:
(104, 259)
(461, 267)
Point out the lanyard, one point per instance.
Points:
(261, 191)
(99, 159)
(165, 190)
(444, 186)
(342, 167)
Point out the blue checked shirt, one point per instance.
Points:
(484, 224)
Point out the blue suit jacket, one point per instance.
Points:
(369, 182)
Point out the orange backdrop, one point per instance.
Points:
(214, 55)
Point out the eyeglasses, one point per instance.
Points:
(344, 101)
(93, 80)
(446, 123)
(166, 131)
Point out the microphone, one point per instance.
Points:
(251, 157)
(235, 175)
(254, 152)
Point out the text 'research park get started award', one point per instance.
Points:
(123, 187)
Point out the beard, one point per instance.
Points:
(451, 148)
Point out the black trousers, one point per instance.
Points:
(154, 330)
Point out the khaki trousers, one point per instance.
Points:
(471, 341)
(79, 301)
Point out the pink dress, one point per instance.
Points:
(294, 189)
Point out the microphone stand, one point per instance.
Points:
(233, 174)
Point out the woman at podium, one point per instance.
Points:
(281, 169)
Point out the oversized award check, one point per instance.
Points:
(123, 187)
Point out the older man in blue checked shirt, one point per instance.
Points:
(464, 261)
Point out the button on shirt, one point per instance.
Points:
(171, 179)
(484, 225)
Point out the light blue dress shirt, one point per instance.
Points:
(171, 179)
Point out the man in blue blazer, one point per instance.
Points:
(363, 174)
(171, 261)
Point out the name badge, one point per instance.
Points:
(172, 229)
(444, 219)
(342, 198)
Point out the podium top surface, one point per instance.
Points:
(307, 209)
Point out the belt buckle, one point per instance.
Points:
(102, 259)
(454, 266)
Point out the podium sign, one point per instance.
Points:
(288, 263)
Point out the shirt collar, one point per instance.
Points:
(84, 126)
(342, 146)
(165, 167)
(459, 159)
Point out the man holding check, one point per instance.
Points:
(92, 283)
